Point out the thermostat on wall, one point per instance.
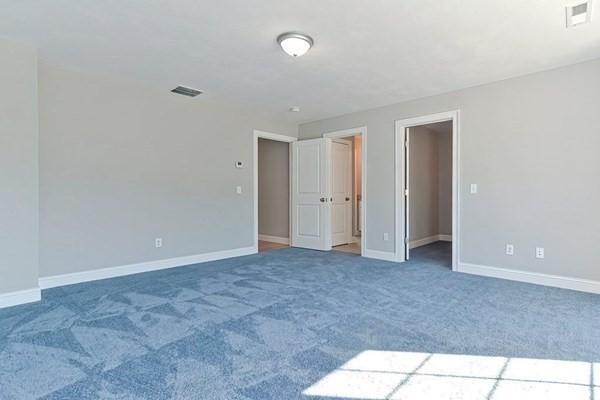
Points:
(239, 164)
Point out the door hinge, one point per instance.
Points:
(406, 192)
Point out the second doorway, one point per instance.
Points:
(346, 194)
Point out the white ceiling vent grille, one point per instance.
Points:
(186, 91)
(579, 13)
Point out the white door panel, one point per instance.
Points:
(309, 163)
(341, 183)
(311, 210)
(338, 219)
(308, 220)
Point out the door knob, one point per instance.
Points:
(347, 198)
(322, 199)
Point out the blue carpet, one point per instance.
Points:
(269, 326)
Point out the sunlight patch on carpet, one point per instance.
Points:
(381, 375)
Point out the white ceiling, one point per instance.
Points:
(367, 53)
(444, 128)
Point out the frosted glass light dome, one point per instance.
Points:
(295, 44)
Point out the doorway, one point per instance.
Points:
(271, 191)
(317, 194)
(346, 191)
(427, 188)
(428, 212)
(348, 186)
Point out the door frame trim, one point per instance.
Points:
(256, 134)
(358, 131)
(400, 184)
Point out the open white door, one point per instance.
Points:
(311, 203)
(341, 192)
(407, 192)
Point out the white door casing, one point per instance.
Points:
(400, 161)
(271, 136)
(407, 193)
(311, 207)
(341, 192)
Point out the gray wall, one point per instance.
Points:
(531, 144)
(445, 181)
(273, 188)
(430, 182)
(18, 168)
(122, 165)
(423, 184)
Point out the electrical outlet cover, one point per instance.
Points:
(510, 249)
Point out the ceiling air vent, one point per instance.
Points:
(579, 13)
(186, 91)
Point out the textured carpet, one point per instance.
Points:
(274, 325)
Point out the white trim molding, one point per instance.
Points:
(123, 270)
(380, 255)
(342, 133)
(564, 282)
(256, 134)
(358, 131)
(274, 239)
(20, 297)
(274, 136)
(400, 178)
(428, 240)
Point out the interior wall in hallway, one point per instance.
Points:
(444, 140)
(273, 188)
(423, 183)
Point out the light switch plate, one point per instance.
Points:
(238, 189)
(539, 252)
(473, 188)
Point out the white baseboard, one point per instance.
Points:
(20, 297)
(582, 285)
(274, 239)
(380, 255)
(428, 240)
(112, 272)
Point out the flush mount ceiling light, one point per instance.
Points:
(294, 43)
